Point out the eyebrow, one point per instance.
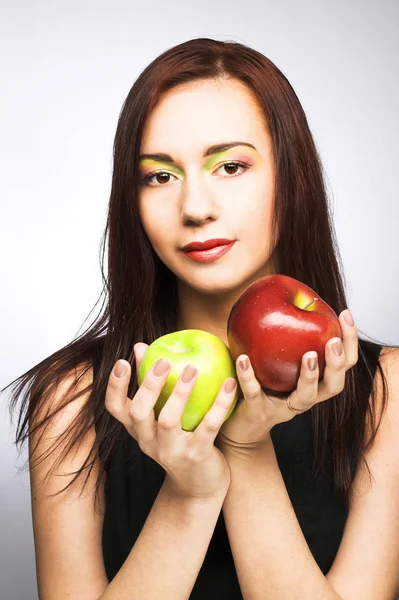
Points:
(211, 150)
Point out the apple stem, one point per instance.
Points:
(310, 303)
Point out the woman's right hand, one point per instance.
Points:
(196, 468)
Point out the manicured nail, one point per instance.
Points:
(243, 363)
(312, 364)
(188, 374)
(348, 317)
(230, 385)
(160, 368)
(338, 348)
(120, 368)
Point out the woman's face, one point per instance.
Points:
(195, 198)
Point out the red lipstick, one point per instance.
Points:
(206, 245)
(209, 250)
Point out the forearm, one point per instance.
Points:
(271, 556)
(169, 552)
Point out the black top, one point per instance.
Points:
(134, 479)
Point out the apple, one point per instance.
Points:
(274, 322)
(208, 354)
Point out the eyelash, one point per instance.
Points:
(145, 180)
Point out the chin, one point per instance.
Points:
(224, 282)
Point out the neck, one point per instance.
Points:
(209, 312)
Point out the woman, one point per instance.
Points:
(212, 142)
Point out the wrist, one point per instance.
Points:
(245, 451)
(172, 491)
(225, 444)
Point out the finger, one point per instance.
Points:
(250, 387)
(139, 350)
(206, 432)
(306, 393)
(169, 419)
(334, 373)
(116, 400)
(141, 409)
(350, 339)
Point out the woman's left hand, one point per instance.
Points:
(256, 412)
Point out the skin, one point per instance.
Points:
(198, 199)
(270, 553)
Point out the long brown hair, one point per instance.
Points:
(140, 292)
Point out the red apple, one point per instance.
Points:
(274, 322)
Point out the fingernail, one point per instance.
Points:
(312, 364)
(243, 363)
(120, 368)
(188, 374)
(348, 317)
(230, 385)
(160, 368)
(337, 348)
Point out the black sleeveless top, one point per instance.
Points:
(134, 479)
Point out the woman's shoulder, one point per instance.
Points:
(387, 357)
(385, 385)
(389, 361)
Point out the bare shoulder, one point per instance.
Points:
(389, 359)
(386, 415)
(67, 530)
(59, 407)
(389, 362)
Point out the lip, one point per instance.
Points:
(206, 245)
(209, 255)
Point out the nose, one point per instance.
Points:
(197, 203)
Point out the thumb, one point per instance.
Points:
(139, 350)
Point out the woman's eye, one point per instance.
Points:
(234, 165)
(147, 179)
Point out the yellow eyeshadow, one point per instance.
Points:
(234, 154)
(148, 165)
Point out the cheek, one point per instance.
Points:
(152, 219)
(257, 211)
(158, 228)
(256, 221)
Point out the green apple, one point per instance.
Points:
(205, 351)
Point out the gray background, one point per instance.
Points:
(67, 68)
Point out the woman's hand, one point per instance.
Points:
(256, 413)
(195, 467)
